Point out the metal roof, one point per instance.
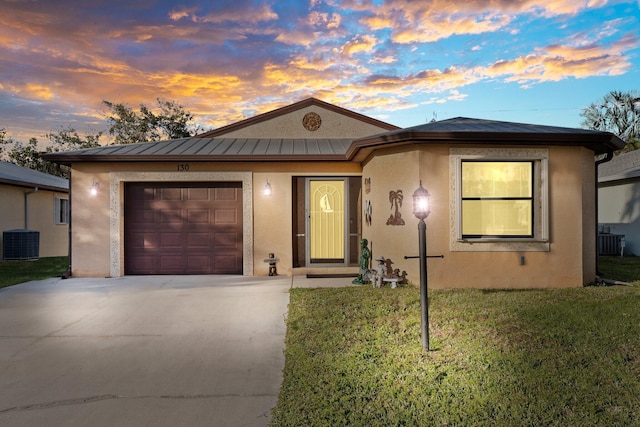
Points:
(23, 177)
(462, 130)
(459, 130)
(213, 149)
(465, 124)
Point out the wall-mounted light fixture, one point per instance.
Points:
(95, 186)
(267, 189)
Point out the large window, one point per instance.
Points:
(61, 211)
(497, 198)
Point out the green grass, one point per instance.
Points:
(14, 272)
(553, 357)
(625, 269)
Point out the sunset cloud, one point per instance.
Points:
(224, 61)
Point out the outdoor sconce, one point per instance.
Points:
(267, 189)
(95, 186)
(422, 209)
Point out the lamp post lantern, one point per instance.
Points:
(421, 210)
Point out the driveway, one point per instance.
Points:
(142, 351)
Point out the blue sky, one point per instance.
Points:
(401, 61)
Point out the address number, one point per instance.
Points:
(183, 167)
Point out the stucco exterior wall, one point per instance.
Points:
(333, 125)
(54, 238)
(98, 221)
(563, 262)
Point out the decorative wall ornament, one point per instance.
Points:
(368, 211)
(367, 185)
(311, 121)
(395, 198)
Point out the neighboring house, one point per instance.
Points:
(619, 202)
(35, 201)
(512, 205)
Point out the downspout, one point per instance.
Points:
(608, 156)
(26, 206)
(67, 273)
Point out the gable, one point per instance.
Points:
(308, 119)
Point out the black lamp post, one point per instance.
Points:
(421, 209)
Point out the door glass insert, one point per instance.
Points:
(326, 221)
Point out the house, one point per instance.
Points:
(619, 204)
(36, 201)
(512, 205)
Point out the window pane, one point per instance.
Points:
(496, 179)
(496, 218)
(61, 211)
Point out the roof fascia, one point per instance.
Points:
(25, 184)
(599, 142)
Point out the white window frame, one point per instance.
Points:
(540, 239)
(57, 218)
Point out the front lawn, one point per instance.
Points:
(532, 357)
(14, 272)
(624, 269)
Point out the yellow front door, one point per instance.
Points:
(326, 228)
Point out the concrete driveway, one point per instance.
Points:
(142, 351)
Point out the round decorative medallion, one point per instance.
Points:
(311, 121)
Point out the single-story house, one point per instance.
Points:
(619, 204)
(512, 205)
(37, 202)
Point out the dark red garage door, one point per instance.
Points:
(183, 228)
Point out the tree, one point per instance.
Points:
(30, 155)
(618, 113)
(129, 127)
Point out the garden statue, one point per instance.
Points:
(365, 254)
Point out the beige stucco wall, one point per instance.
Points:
(98, 223)
(564, 261)
(567, 259)
(333, 125)
(54, 238)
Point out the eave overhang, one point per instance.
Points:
(599, 142)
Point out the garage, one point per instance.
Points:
(183, 228)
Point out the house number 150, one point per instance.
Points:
(183, 167)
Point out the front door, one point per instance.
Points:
(326, 221)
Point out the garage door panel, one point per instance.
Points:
(226, 216)
(171, 216)
(171, 264)
(225, 194)
(198, 216)
(143, 240)
(183, 228)
(171, 240)
(143, 216)
(170, 194)
(225, 264)
(225, 240)
(142, 264)
(198, 240)
(198, 194)
(199, 264)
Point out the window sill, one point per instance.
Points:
(502, 240)
(500, 245)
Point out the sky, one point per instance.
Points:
(404, 62)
